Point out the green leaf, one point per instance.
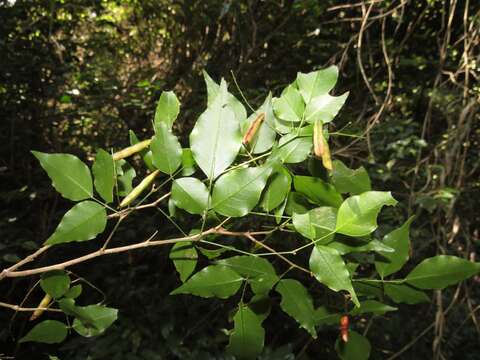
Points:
(98, 319)
(248, 336)
(405, 294)
(212, 281)
(324, 317)
(329, 268)
(317, 83)
(372, 306)
(357, 348)
(104, 174)
(237, 192)
(317, 190)
(289, 106)
(297, 302)
(294, 149)
(349, 245)
(190, 194)
(166, 150)
(357, 216)
(69, 175)
(257, 271)
(324, 107)
(351, 181)
(440, 271)
(214, 91)
(74, 292)
(55, 283)
(188, 162)
(265, 136)
(398, 240)
(296, 203)
(84, 221)
(212, 253)
(48, 332)
(216, 139)
(184, 257)
(167, 109)
(317, 224)
(125, 175)
(277, 190)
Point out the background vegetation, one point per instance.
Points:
(76, 74)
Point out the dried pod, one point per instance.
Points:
(344, 324)
(41, 307)
(124, 153)
(253, 128)
(139, 189)
(320, 145)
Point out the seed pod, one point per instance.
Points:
(128, 151)
(344, 323)
(139, 189)
(253, 128)
(43, 304)
(320, 145)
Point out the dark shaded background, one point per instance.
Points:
(75, 75)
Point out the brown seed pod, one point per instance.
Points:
(320, 145)
(253, 128)
(344, 324)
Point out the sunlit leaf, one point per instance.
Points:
(357, 216)
(166, 150)
(69, 175)
(104, 174)
(82, 222)
(317, 224)
(351, 181)
(216, 139)
(238, 191)
(190, 194)
(329, 268)
(289, 106)
(167, 109)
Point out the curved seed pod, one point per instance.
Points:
(253, 128)
(318, 139)
(43, 304)
(320, 145)
(137, 190)
(128, 151)
(344, 323)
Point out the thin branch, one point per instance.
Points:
(19, 308)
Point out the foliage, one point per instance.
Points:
(333, 233)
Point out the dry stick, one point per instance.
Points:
(101, 252)
(19, 308)
(26, 260)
